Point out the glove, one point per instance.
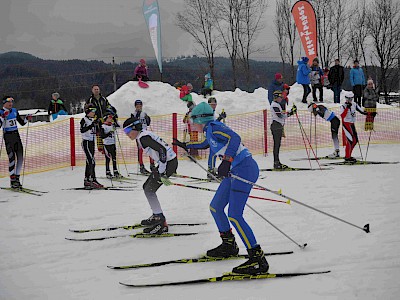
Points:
(373, 114)
(222, 116)
(162, 167)
(225, 167)
(29, 117)
(179, 144)
(5, 114)
(156, 175)
(349, 104)
(293, 110)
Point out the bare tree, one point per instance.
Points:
(383, 19)
(340, 26)
(285, 34)
(198, 20)
(250, 25)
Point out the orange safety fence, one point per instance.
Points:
(57, 144)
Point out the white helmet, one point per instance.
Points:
(349, 96)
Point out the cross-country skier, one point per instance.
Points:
(237, 160)
(9, 117)
(328, 115)
(348, 113)
(162, 153)
(89, 125)
(145, 120)
(110, 150)
(277, 126)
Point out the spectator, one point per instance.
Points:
(303, 72)
(185, 93)
(357, 80)
(141, 71)
(325, 79)
(208, 85)
(56, 106)
(316, 80)
(370, 95)
(276, 85)
(336, 77)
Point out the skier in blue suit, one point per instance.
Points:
(237, 160)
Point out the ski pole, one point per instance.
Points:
(365, 228)
(169, 182)
(315, 135)
(304, 141)
(261, 216)
(359, 146)
(26, 146)
(369, 139)
(1, 147)
(122, 153)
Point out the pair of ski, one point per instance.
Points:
(106, 188)
(339, 163)
(294, 169)
(24, 190)
(225, 277)
(132, 227)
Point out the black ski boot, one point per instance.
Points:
(14, 182)
(153, 220)
(255, 265)
(350, 160)
(86, 184)
(108, 174)
(280, 166)
(143, 170)
(117, 175)
(157, 224)
(227, 248)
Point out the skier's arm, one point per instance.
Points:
(198, 145)
(278, 112)
(20, 120)
(360, 110)
(50, 110)
(148, 120)
(226, 135)
(85, 127)
(147, 141)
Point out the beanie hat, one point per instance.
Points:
(55, 95)
(132, 123)
(202, 113)
(142, 61)
(189, 85)
(7, 99)
(208, 76)
(305, 59)
(278, 76)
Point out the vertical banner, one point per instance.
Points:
(306, 23)
(151, 14)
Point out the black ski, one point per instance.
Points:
(361, 162)
(120, 179)
(227, 277)
(131, 227)
(107, 188)
(295, 169)
(190, 261)
(318, 158)
(138, 235)
(24, 191)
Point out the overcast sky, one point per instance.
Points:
(98, 29)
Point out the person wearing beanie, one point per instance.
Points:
(208, 85)
(110, 150)
(167, 162)
(237, 160)
(302, 77)
(336, 78)
(184, 93)
(141, 71)
(276, 85)
(357, 80)
(316, 80)
(328, 116)
(89, 125)
(56, 106)
(9, 117)
(145, 120)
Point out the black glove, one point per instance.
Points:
(156, 175)
(349, 104)
(224, 169)
(179, 144)
(221, 116)
(373, 114)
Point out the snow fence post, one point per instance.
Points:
(175, 130)
(72, 141)
(265, 132)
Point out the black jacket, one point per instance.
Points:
(101, 105)
(336, 75)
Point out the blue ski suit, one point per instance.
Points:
(224, 141)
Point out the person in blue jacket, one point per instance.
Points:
(357, 80)
(237, 160)
(276, 85)
(9, 117)
(302, 77)
(208, 85)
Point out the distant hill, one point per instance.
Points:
(32, 80)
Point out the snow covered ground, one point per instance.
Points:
(36, 262)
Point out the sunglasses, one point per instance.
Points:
(129, 128)
(93, 109)
(10, 99)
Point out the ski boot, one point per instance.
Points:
(108, 174)
(152, 167)
(153, 220)
(14, 182)
(350, 160)
(143, 170)
(117, 175)
(335, 154)
(255, 265)
(94, 184)
(156, 229)
(211, 177)
(227, 248)
(86, 184)
(280, 166)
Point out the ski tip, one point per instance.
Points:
(288, 202)
(303, 246)
(280, 191)
(366, 228)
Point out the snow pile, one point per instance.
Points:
(162, 98)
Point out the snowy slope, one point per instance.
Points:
(36, 262)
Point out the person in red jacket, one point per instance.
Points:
(141, 71)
